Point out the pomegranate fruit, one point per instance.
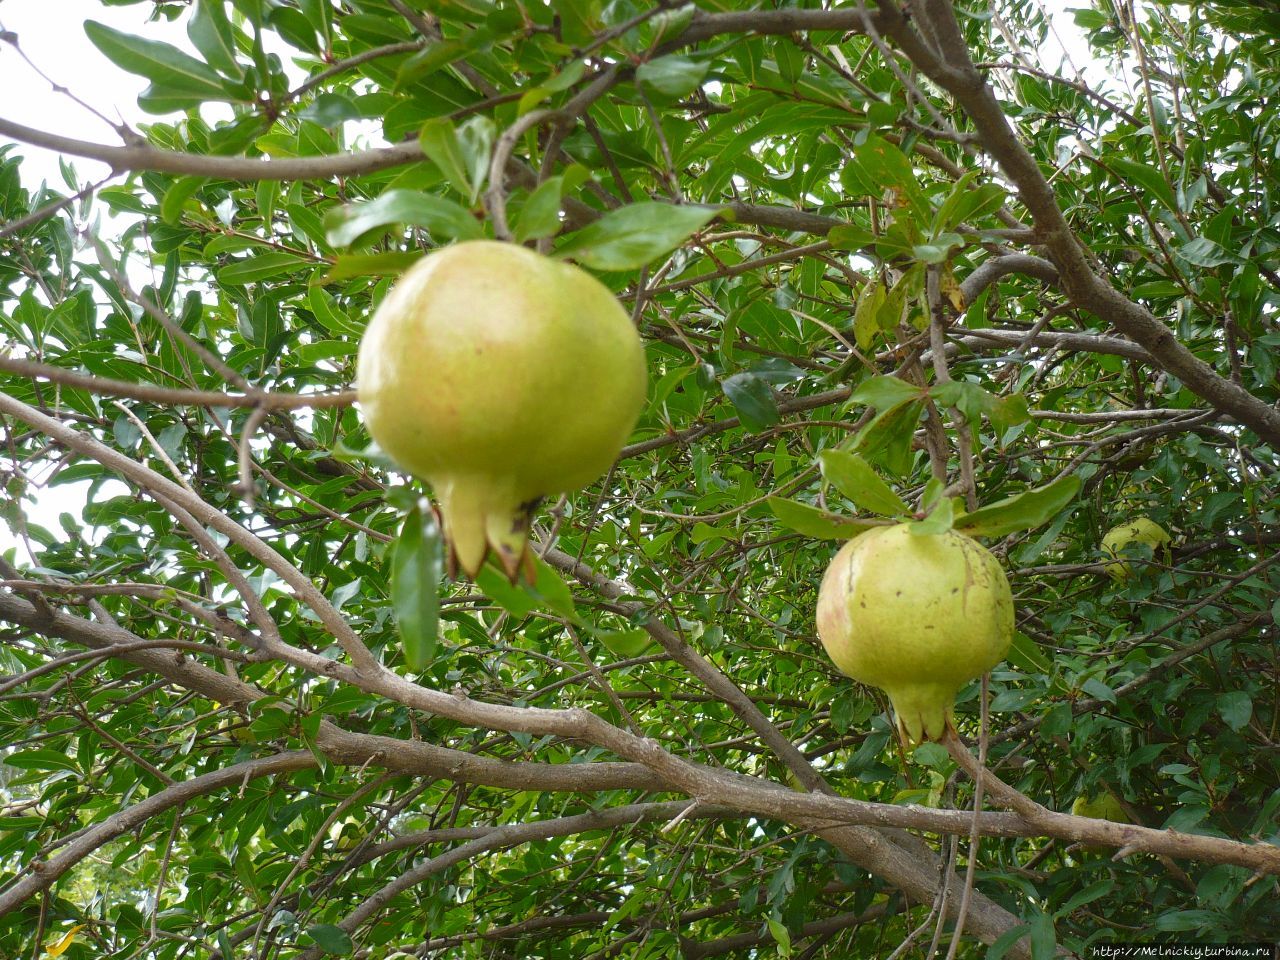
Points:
(500, 376)
(1141, 530)
(917, 615)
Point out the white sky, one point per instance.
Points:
(50, 33)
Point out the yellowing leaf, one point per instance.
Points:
(59, 948)
(951, 290)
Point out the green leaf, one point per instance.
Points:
(885, 393)
(630, 237)
(940, 519)
(260, 266)
(855, 478)
(176, 197)
(550, 587)
(331, 110)
(540, 215)
(850, 236)
(515, 598)
(1236, 708)
(886, 440)
(673, 76)
(1147, 177)
(211, 33)
(1023, 511)
(752, 397)
(866, 318)
(1024, 653)
(1089, 894)
(416, 568)
(1006, 940)
(331, 939)
(1044, 940)
(428, 60)
(969, 398)
(819, 524)
(563, 80)
(781, 936)
(369, 265)
(1008, 412)
(878, 165)
(41, 760)
(939, 249)
(966, 204)
(172, 72)
(443, 218)
(461, 153)
(1202, 252)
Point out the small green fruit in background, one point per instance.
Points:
(1104, 806)
(500, 376)
(917, 615)
(1140, 530)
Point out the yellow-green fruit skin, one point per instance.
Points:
(918, 616)
(1141, 530)
(1102, 807)
(500, 376)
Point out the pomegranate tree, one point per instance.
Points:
(500, 376)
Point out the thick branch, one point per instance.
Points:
(1085, 288)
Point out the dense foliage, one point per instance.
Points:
(870, 277)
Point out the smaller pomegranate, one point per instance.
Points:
(500, 376)
(917, 615)
(1140, 530)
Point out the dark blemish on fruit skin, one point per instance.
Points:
(898, 594)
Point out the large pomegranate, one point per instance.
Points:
(500, 376)
(917, 615)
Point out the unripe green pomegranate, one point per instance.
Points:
(1141, 530)
(1104, 806)
(500, 376)
(917, 615)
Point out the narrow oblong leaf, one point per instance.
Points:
(167, 67)
(443, 218)
(1025, 511)
(416, 567)
(1147, 177)
(259, 267)
(855, 478)
(211, 32)
(370, 265)
(885, 393)
(630, 237)
(850, 236)
(819, 524)
(866, 318)
(461, 153)
(967, 204)
(540, 215)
